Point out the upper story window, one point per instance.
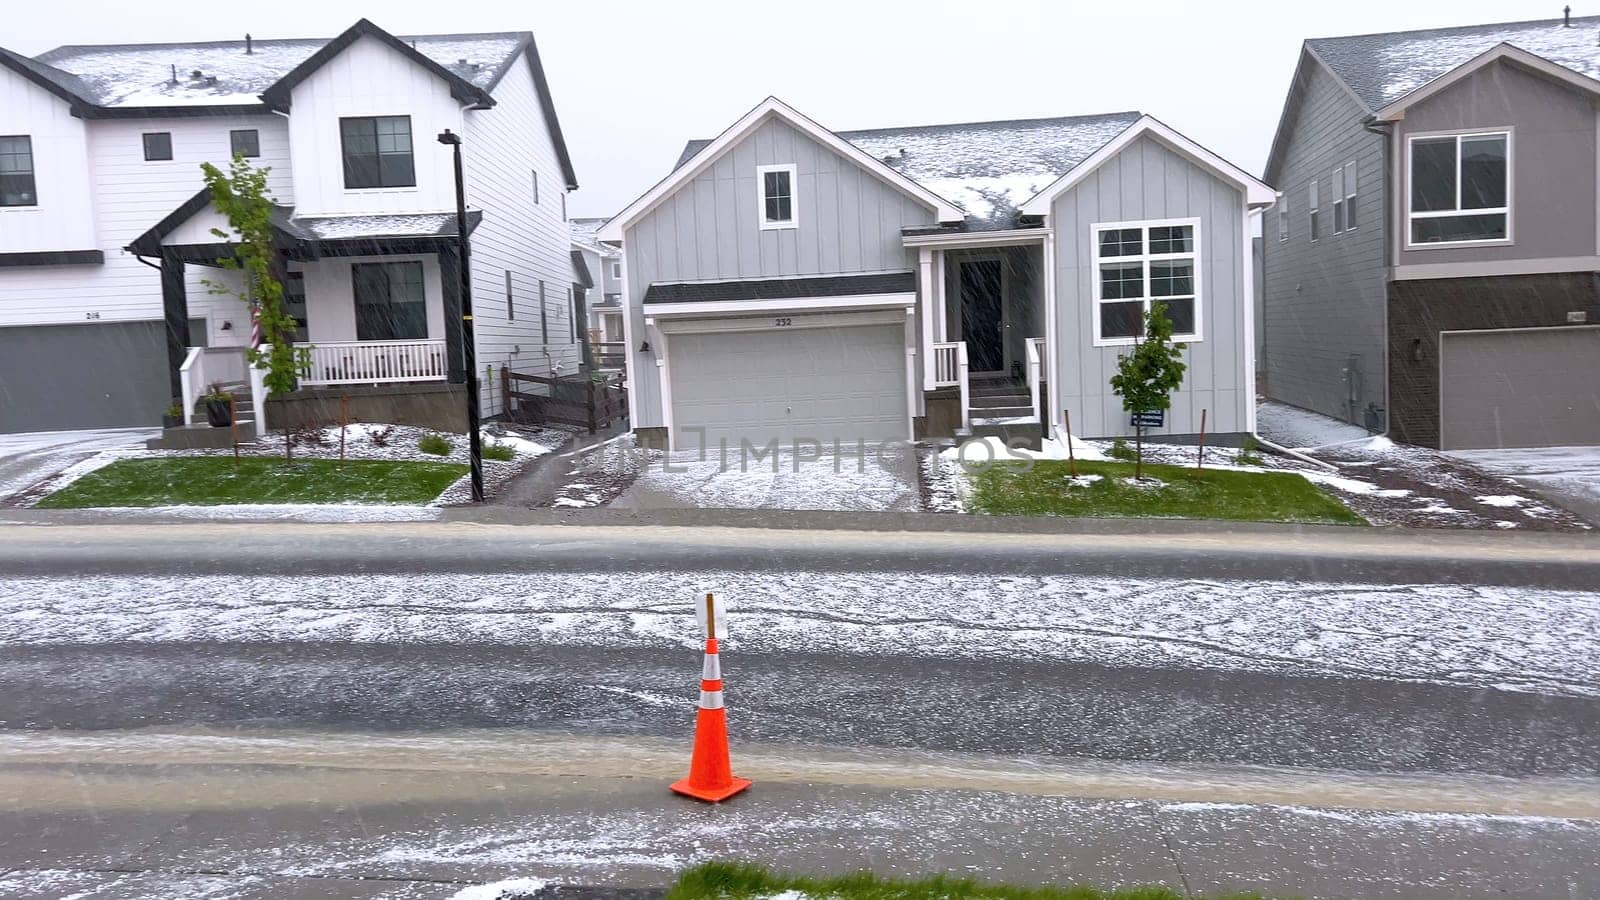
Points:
(1460, 188)
(535, 187)
(157, 146)
(563, 206)
(1338, 199)
(1283, 218)
(1140, 263)
(775, 186)
(391, 302)
(244, 142)
(616, 270)
(1350, 193)
(511, 307)
(377, 152)
(17, 186)
(1314, 210)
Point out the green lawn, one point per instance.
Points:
(738, 881)
(211, 480)
(1048, 490)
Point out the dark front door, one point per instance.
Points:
(981, 314)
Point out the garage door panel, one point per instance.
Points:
(844, 382)
(1519, 388)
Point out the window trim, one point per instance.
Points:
(511, 308)
(33, 174)
(1352, 190)
(1509, 133)
(535, 186)
(144, 144)
(616, 269)
(386, 264)
(344, 174)
(544, 317)
(1283, 217)
(794, 197)
(1314, 209)
(1338, 199)
(1145, 257)
(233, 151)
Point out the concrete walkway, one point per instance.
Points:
(537, 485)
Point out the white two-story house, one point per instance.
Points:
(605, 299)
(107, 251)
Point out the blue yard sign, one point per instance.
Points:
(1156, 419)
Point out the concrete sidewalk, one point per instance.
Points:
(396, 826)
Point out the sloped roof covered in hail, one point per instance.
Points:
(1382, 68)
(989, 169)
(584, 233)
(220, 73)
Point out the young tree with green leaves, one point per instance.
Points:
(1147, 376)
(242, 197)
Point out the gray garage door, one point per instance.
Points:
(787, 383)
(54, 377)
(1535, 387)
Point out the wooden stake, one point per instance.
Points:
(1201, 462)
(711, 617)
(344, 422)
(1072, 459)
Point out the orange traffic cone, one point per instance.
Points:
(710, 769)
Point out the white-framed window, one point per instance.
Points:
(616, 270)
(1140, 263)
(563, 206)
(775, 196)
(544, 316)
(1313, 208)
(1283, 217)
(1338, 199)
(535, 187)
(1458, 188)
(1350, 193)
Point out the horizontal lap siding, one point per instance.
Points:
(1148, 181)
(1324, 301)
(848, 221)
(504, 146)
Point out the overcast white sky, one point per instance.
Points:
(634, 80)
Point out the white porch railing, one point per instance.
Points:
(1036, 373)
(373, 362)
(204, 366)
(950, 370)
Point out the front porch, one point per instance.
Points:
(983, 313)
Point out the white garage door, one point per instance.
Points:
(1530, 387)
(844, 383)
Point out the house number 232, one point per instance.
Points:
(782, 321)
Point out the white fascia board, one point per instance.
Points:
(958, 239)
(613, 230)
(703, 307)
(1255, 190)
(1396, 110)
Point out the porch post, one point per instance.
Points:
(925, 290)
(454, 338)
(941, 316)
(175, 309)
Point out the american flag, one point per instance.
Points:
(255, 325)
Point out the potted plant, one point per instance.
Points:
(173, 416)
(219, 406)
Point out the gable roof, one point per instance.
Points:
(1382, 68)
(65, 85)
(580, 270)
(988, 169)
(277, 94)
(1506, 53)
(1256, 192)
(768, 109)
(585, 235)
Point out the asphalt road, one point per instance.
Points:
(1063, 710)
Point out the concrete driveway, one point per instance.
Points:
(846, 482)
(1566, 476)
(28, 458)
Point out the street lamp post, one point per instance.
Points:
(469, 349)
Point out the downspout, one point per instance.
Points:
(1386, 131)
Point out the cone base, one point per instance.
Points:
(710, 796)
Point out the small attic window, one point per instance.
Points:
(775, 188)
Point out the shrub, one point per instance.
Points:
(435, 444)
(380, 436)
(1121, 450)
(311, 436)
(1249, 451)
(498, 451)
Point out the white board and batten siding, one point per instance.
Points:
(848, 222)
(1149, 181)
(63, 219)
(504, 146)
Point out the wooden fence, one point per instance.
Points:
(582, 401)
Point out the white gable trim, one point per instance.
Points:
(1256, 192)
(772, 107)
(1507, 52)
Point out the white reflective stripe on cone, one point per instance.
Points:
(710, 699)
(712, 670)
